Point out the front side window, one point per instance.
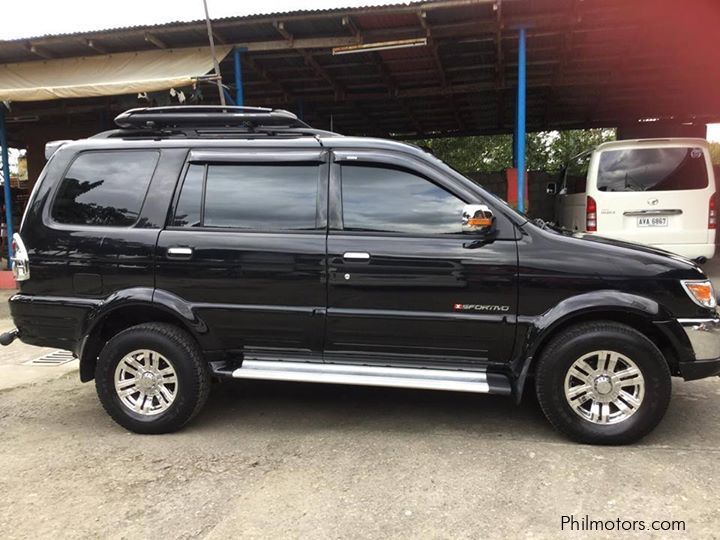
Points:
(249, 196)
(652, 169)
(105, 188)
(383, 199)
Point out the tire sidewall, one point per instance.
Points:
(187, 385)
(637, 348)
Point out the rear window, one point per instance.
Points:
(105, 188)
(652, 169)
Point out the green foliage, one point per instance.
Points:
(715, 153)
(545, 150)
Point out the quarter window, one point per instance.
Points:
(249, 196)
(105, 188)
(383, 199)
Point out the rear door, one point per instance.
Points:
(654, 194)
(406, 287)
(245, 248)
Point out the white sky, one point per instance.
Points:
(31, 18)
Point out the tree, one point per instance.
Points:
(545, 150)
(715, 153)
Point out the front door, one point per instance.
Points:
(406, 286)
(245, 248)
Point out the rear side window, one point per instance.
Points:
(249, 196)
(652, 169)
(105, 188)
(382, 199)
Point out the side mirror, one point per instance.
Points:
(551, 188)
(477, 218)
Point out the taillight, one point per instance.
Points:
(712, 212)
(591, 215)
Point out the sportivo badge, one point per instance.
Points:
(480, 307)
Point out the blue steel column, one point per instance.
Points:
(6, 186)
(239, 98)
(520, 121)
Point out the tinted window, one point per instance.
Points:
(652, 169)
(105, 188)
(390, 200)
(576, 174)
(187, 213)
(261, 197)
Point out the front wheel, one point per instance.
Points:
(151, 378)
(603, 383)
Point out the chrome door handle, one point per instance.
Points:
(356, 256)
(179, 252)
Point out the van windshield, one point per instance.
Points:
(652, 169)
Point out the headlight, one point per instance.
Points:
(701, 292)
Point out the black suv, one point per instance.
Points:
(202, 242)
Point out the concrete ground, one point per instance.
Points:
(274, 460)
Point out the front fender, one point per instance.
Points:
(534, 331)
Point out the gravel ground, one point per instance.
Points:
(273, 460)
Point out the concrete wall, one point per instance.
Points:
(540, 204)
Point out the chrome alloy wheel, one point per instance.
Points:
(604, 387)
(146, 382)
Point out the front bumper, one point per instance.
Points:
(704, 336)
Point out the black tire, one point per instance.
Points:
(179, 348)
(560, 354)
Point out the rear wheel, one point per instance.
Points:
(151, 378)
(603, 383)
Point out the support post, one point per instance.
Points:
(239, 98)
(520, 121)
(6, 183)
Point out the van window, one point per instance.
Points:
(249, 196)
(576, 174)
(105, 188)
(391, 200)
(652, 169)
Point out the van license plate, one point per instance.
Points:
(657, 221)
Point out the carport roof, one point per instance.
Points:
(591, 63)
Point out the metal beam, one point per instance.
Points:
(6, 184)
(239, 95)
(520, 121)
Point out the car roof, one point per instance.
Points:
(653, 143)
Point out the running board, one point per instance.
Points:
(428, 379)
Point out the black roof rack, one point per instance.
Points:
(205, 116)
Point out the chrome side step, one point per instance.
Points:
(429, 379)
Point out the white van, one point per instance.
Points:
(659, 192)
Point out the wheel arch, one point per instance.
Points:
(642, 314)
(130, 308)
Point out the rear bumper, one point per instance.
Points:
(704, 336)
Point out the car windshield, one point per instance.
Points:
(652, 169)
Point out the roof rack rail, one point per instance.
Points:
(214, 132)
(201, 116)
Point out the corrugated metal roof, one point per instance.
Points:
(234, 18)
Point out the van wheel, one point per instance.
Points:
(151, 378)
(603, 383)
